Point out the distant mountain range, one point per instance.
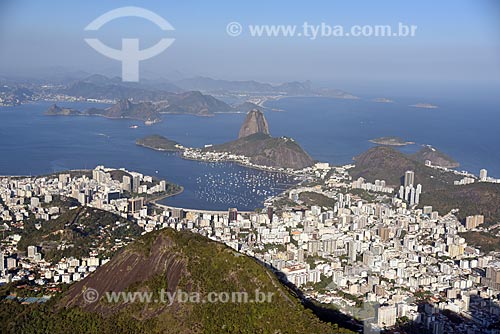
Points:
(192, 103)
(102, 87)
(294, 88)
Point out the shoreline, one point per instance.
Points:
(237, 162)
(154, 201)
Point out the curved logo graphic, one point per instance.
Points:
(130, 55)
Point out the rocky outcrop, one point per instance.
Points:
(170, 262)
(55, 110)
(436, 157)
(255, 122)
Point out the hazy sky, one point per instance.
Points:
(456, 41)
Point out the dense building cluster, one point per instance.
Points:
(384, 260)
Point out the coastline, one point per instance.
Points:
(154, 201)
(237, 162)
(158, 198)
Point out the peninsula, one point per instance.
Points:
(254, 148)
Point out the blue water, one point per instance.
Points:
(330, 130)
(32, 144)
(336, 130)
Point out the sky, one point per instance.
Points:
(456, 42)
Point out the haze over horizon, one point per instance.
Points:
(456, 43)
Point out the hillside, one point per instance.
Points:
(295, 88)
(79, 230)
(101, 87)
(436, 157)
(195, 103)
(55, 110)
(192, 103)
(265, 150)
(144, 111)
(385, 163)
(246, 107)
(173, 260)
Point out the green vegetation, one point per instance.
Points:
(175, 260)
(283, 202)
(157, 142)
(487, 242)
(436, 157)
(385, 163)
(310, 198)
(76, 232)
(55, 110)
(471, 199)
(363, 194)
(311, 260)
(263, 149)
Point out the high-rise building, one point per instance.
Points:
(127, 183)
(352, 252)
(300, 255)
(112, 195)
(474, 221)
(418, 192)
(64, 178)
(31, 251)
(11, 263)
(163, 186)
(136, 182)
(270, 213)
(409, 178)
(135, 204)
(412, 196)
(386, 316)
(233, 214)
(483, 174)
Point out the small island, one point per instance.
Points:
(391, 141)
(159, 143)
(383, 100)
(424, 106)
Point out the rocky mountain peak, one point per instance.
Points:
(255, 122)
